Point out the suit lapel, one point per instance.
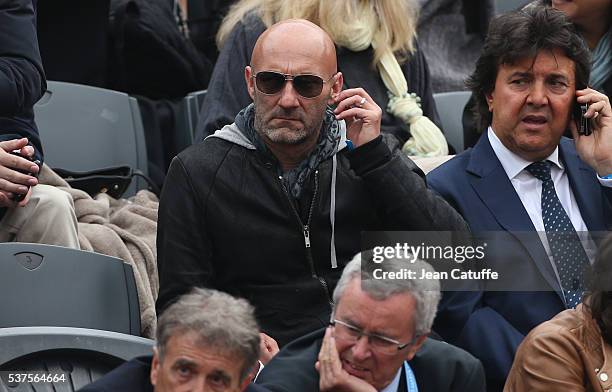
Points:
(491, 184)
(585, 187)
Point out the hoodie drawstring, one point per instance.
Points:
(332, 213)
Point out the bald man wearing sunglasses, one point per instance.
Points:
(271, 207)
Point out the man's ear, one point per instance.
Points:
(489, 98)
(412, 350)
(250, 81)
(155, 364)
(336, 87)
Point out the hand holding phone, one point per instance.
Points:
(593, 138)
(361, 113)
(18, 197)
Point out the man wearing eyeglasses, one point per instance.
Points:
(376, 341)
(271, 207)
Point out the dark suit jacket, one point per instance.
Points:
(22, 80)
(437, 366)
(491, 324)
(134, 376)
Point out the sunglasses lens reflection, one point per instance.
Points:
(269, 82)
(308, 86)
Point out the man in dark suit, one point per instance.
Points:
(523, 176)
(206, 341)
(377, 339)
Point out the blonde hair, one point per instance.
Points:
(354, 24)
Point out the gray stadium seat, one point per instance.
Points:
(450, 108)
(186, 123)
(84, 128)
(83, 355)
(46, 285)
(195, 99)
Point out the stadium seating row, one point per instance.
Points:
(80, 331)
(85, 128)
(93, 322)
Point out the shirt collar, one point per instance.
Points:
(512, 163)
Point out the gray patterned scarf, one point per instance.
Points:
(294, 179)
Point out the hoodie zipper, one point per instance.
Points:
(306, 233)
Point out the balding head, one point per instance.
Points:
(296, 37)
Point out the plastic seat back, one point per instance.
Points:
(450, 108)
(76, 356)
(84, 128)
(46, 285)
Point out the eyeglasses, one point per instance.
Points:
(381, 344)
(308, 86)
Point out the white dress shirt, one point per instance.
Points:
(529, 190)
(392, 387)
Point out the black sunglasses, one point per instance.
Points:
(308, 86)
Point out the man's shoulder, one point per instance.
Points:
(209, 145)
(443, 354)
(303, 349)
(207, 154)
(132, 376)
(453, 170)
(568, 147)
(447, 365)
(255, 388)
(293, 367)
(457, 163)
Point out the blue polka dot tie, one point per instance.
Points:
(565, 246)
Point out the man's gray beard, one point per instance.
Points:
(288, 136)
(284, 135)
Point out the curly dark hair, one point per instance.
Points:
(520, 34)
(598, 298)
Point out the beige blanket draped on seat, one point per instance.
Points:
(124, 228)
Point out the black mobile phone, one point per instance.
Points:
(17, 197)
(582, 123)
